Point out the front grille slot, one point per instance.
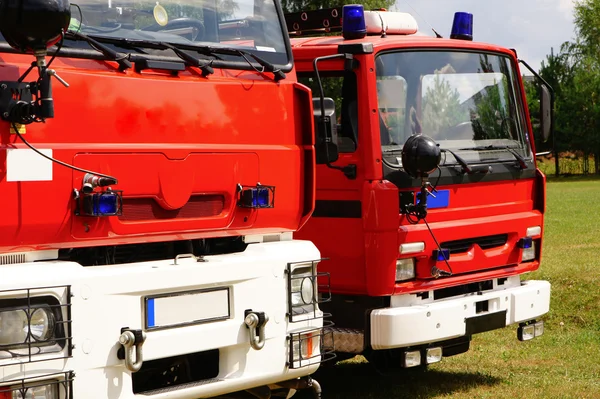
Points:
(463, 289)
(177, 372)
(198, 206)
(487, 242)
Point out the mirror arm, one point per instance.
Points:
(537, 75)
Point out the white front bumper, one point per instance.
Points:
(107, 298)
(416, 324)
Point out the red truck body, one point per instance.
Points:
(360, 221)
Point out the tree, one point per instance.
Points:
(307, 5)
(441, 107)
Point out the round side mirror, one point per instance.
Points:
(34, 25)
(421, 155)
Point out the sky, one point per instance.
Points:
(532, 27)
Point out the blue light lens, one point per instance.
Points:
(442, 255)
(462, 26)
(353, 21)
(526, 242)
(106, 204)
(261, 197)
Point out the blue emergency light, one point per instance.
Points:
(462, 26)
(353, 22)
(525, 242)
(257, 197)
(105, 203)
(441, 255)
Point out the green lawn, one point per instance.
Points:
(563, 363)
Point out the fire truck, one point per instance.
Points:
(156, 158)
(429, 204)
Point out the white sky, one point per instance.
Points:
(531, 27)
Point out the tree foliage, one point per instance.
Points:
(308, 5)
(574, 74)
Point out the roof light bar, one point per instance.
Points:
(376, 22)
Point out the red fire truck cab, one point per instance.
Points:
(429, 203)
(146, 243)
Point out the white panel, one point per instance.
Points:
(25, 165)
(192, 307)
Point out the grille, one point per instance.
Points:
(487, 242)
(198, 206)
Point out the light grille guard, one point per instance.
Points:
(59, 345)
(311, 345)
(61, 382)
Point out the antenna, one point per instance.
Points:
(437, 35)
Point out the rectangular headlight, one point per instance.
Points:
(433, 355)
(539, 328)
(526, 332)
(412, 359)
(529, 253)
(405, 269)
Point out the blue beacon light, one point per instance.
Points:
(353, 22)
(462, 26)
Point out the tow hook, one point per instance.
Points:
(130, 339)
(255, 323)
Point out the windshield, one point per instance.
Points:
(467, 102)
(251, 25)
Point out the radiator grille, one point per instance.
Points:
(487, 242)
(198, 206)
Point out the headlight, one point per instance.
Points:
(405, 269)
(21, 326)
(302, 286)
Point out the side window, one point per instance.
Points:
(341, 87)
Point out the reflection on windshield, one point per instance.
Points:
(464, 101)
(252, 25)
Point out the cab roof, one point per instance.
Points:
(306, 46)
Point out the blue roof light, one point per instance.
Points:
(462, 26)
(353, 22)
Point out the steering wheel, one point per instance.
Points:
(462, 130)
(178, 27)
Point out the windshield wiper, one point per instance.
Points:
(206, 67)
(267, 66)
(465, 167)
(521, 162)
(106, 51)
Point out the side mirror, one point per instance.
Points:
(326, 130)
(546, 112)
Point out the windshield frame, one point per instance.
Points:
(515, 95)
(79, 49)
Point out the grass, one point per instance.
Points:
(563, 363)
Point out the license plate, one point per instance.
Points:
(186, 308)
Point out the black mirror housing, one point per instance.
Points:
(326, 131)
(545, 113)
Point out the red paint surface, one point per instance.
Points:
(167, 139)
